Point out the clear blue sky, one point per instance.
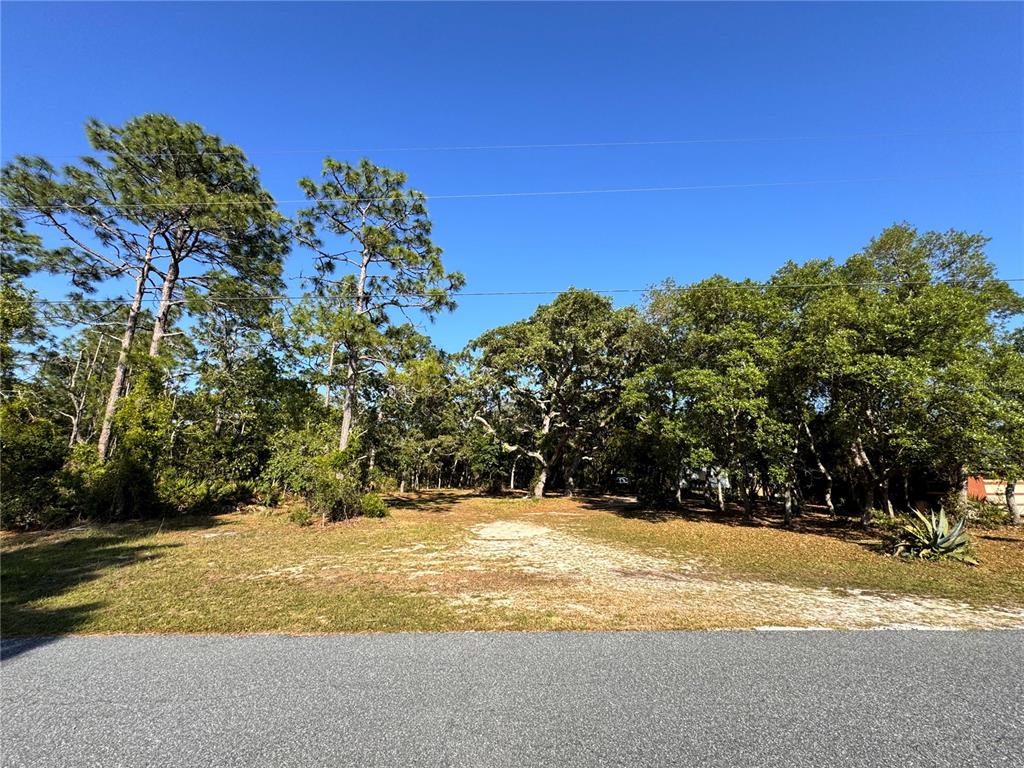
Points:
(280, 79)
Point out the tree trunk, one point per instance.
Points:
(721, 496)
(163, 312)
(1011, 502)
(542, 479)
(348, 401)
(84, 399)
(962, 481)
(352, 364)
(869, 503)
(824, 472)
(512, 476)
(545, 463)
(869, 478)
(788, 506)
(120, 372)
(330, 371)
(570, 481)
(886, 501)
(77, 403)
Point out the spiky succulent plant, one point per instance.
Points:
(933, 538)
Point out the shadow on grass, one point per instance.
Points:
(813, 519)
(35, 568)
(428, 500)
(1005, 539)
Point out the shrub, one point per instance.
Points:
(931, 538)
(190, 495)
(267, 494)
(981, 514)
(31, 454)
(296, 459)
(888, 526)
(301, 516)
(373, 505)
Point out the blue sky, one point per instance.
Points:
(291, 82)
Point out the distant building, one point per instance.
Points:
(993, 491)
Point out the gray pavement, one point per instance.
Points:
(504, 699)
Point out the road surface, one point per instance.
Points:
(830, 699)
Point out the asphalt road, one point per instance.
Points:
(563, 699)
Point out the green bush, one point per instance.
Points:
(888, 526)
(981, 514)
(296, 458)
(32, 453)
(267, 494)
(301, 516)
(373, 505)
(931, 538)
(188, 495)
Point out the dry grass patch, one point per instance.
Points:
(451, 560)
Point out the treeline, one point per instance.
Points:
(875, 384)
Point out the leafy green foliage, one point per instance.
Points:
(32, 453)
(873, 383)
(373, 505)
(301, 516)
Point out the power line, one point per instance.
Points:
(610, 144)
(543, 193)
(609, 291)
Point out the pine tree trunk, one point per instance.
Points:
(348, 402)
(164, 310)
(77, 403)
(330, 372)
(352, 364)
(120, 371)
(512, 476)
(721, 495)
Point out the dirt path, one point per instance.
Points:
(597, 578)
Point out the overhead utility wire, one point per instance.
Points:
(611, 144)
(458, 294)
(552, 193)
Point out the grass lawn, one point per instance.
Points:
(449, 560)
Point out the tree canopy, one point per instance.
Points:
(175, 376)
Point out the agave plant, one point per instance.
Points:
(931, 538)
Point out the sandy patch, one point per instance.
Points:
(614, 576)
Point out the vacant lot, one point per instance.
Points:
(449, 560)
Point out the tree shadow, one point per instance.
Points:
(1006, 539)
(428, 500)
(813, 519)
(36, 568)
